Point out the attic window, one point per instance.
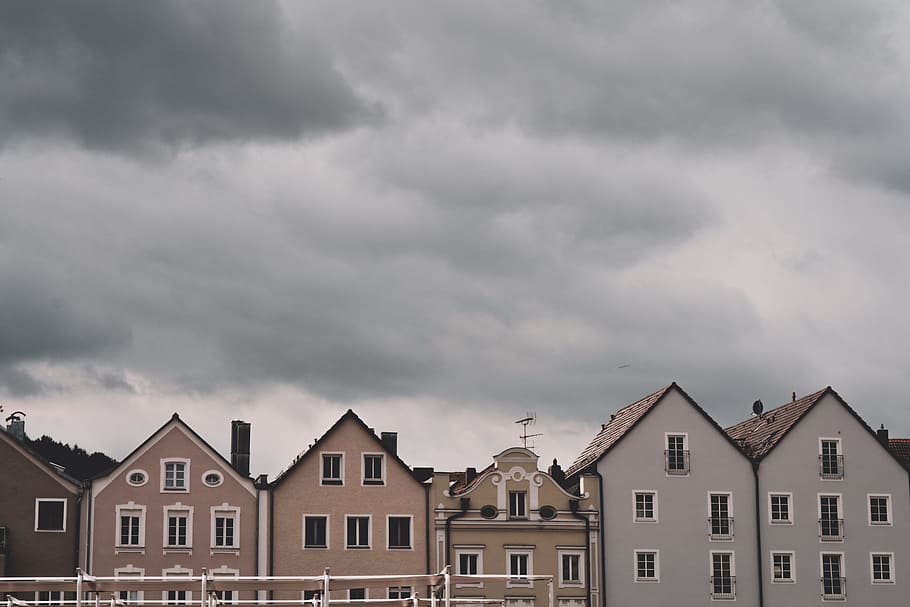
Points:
(547, 512)
(489, 512)
(137, 478)
(212, 478)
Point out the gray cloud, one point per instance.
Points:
(115, 76)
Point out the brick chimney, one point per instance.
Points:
(390, 442)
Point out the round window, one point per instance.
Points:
(489, 512)
(137, 478)
(212, 478)
(547, 512)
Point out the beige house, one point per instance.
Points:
(175, 507)
(351, 505)
(512, 519)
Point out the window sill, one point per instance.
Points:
(357, 547)
(175, 490)
(400, 548)
(223, 550)
(328, 482)
(780, 522)
(50, 530)
(177, 550)
(373, 483)
(888, 524)
(305, 547)
(129, 550)
(882, 582)
(647, 581)
(783, 581)
(645, 520)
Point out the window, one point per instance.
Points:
(225, 532)
(357, 594)
(647, 566)
(882, 571)
(312, 596)
(547, 513)
(50, 514)
(469, 561)
(645, 506)
(720, 522)
(399, 532)
(358, 532)
(372, 469)
(399, 592)
(723, 580)
(830, 460)
(782, 568)
(177, 597)
(50, 597)
(130, 526)
(489, 512)
(178, 526)
(518, 504)
(212, 478)
(223, 596)
(315, 531)
(519, 567)
(137, 478)
(879, 509)
(779, 508)
(833, 580)
(332, 469)
(676, 456)
(570, 573)
(831, 526)
(130, 597)
(175, 475)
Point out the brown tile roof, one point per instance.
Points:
(620, 423)
(758, 435)
(458, 480)
(900, 447)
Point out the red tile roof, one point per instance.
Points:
(900, 447)
(758, 435)
(620, 423)
(458, 480)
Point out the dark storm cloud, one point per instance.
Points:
(115, 75)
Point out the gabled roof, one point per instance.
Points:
(68, 482)
(900, 447)
(759, 435)
(627, 418)
(349, 415)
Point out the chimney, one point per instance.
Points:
(469, 475)
(556, 472)
(240, 446)
(390, 442)
(16, 425)
(882, 434)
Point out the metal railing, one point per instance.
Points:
(723, 587)
(831, 529)
(676, 462)
(831, 466)
(720, 528)
(834, 588)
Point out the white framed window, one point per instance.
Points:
(833, 576)
(830, 518)
(881, 567)
(879, 509)
(357, 532)
(400, 529)
(316, 531)
(520, 564)
(224, 596)
(644, 506)
(373, 469)
(332, 469)
(646, 565)
(225, 527)
(50, 514)
(130, 597)
(571, 568)
(783, 567)
(130, 526)
(178, 527)
(676, 454)
(177, 597)
(399, 592)
(518, 504)
(830, 459)
(720, 516)
(212, 478)
(137, 477)
(469, 561)
(723, 576)
(780, 508)
(357, 594)
(175, 475)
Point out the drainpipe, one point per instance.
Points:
(761, 579)
(89, 511)
(465, 504)
(603, 532)
(573, 507)
(427, 521)
(78, 530)
(271, 499)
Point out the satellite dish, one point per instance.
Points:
(757, 407)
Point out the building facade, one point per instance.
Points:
(351, 505)
(175, 507)
(512, 519)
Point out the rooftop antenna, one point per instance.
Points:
(530, 418)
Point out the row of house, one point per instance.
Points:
(801, 505)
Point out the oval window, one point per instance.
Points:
(137, 478)
(212, 478)
(547, 512)
(489, 512)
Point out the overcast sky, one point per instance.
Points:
(448, 215)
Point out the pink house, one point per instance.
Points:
(175, 507)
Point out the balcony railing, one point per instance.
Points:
(831, 529)
(831, 466)
(676, 462)
(723, 587)
(834, 588)
(720, 528)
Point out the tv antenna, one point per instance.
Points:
(527, 420)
